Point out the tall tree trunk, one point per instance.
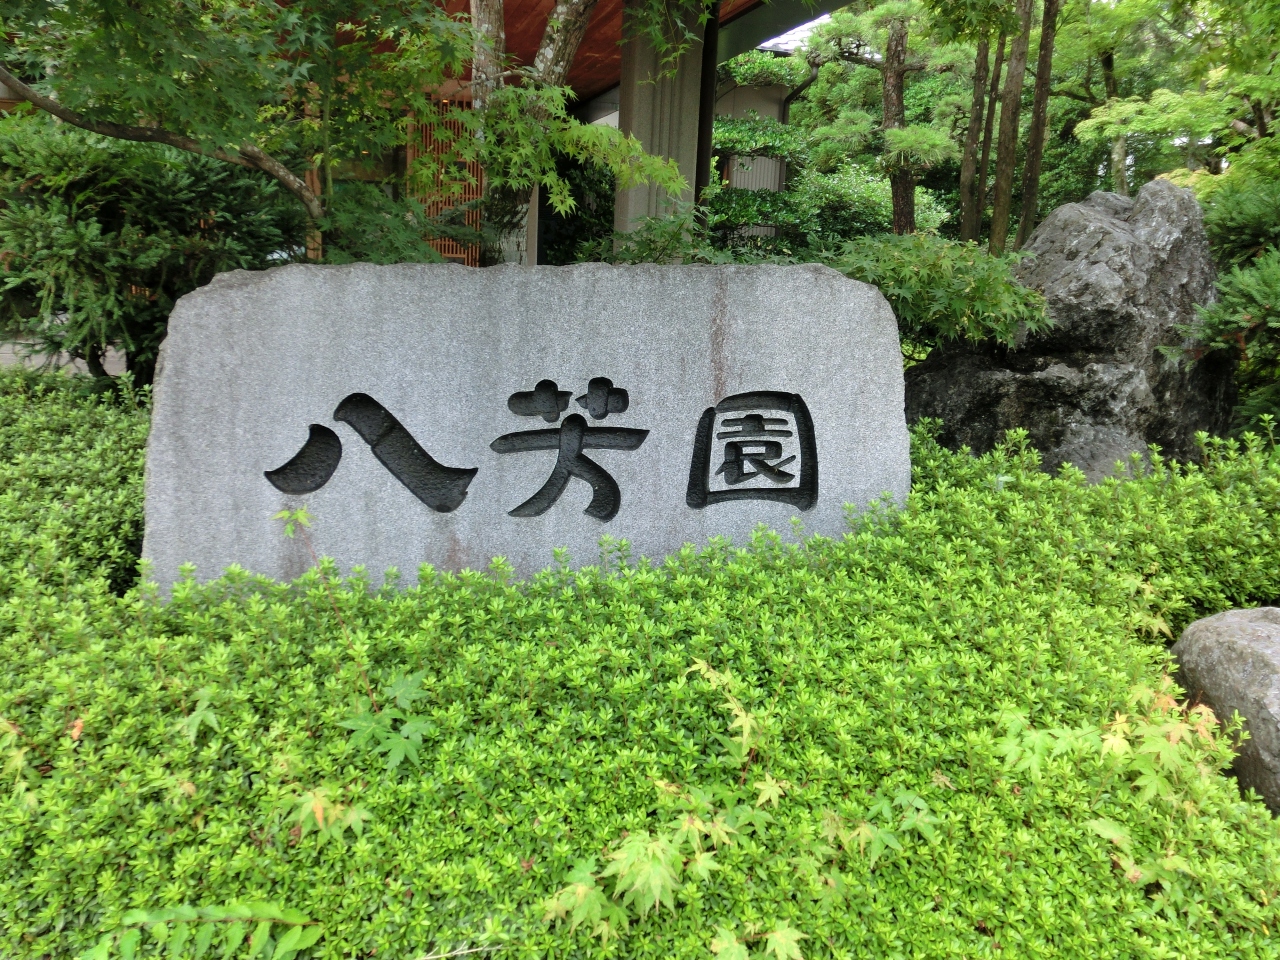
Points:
(488, 21)
(988, 129)
(1119, 143)
(566, 27)
(970, 212)
(1007, 145)
(902, 183)
(1120, 164)
(1039, 124)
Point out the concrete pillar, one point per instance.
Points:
(661, 111)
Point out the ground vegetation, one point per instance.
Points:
(949, 732)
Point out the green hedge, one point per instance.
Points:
(901, 743)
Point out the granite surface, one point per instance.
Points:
(397, 404)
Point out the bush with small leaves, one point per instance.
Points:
(946, 733)
(944, 289)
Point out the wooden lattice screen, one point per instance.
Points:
(423, 143)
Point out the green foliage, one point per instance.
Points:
(916, 147)
(324, 86)
(1246, 322)
(102, 237)
(760, 68)
(320, 81)
(757, 136)
(530, 130)
(70, 483)
(364, 225)
(262, 929)
(680, 237)
(902, 741)
(590, 221)
(943, 289)
(816, 214)
(1243, 220)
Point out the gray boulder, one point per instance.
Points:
(1119, 276)
(1231, 661)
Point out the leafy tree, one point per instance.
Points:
(324, 82)
(671, 26)
(879, 39)
(975, 21)
(1243, 220)
(103, 236)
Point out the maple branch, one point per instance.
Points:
(247, 155)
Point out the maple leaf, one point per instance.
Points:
(727, 946)
(1152, 785)
(316, 809)
(1110, 830)
(581, 901)
(690, 828)
(749, 819)
(1163, 750)
(355, 820)
(863, 833)
(16, 762)
(1205, 721)
(397, 748)
(702, 865)
(647, 869)
(718, 831)
(743, 719)
(202, 715)
(414, 728)
(1176, 730)
(879, 840)
(366, 726)
(1115, 742)
(406, 689)
(771, 790)
(700, 667)
(784, 942)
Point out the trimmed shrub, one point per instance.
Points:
(70, 482)
(944, 289)
(945, 734)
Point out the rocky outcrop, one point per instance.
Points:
(1119, 276)
(1231, 661)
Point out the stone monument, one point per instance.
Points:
(444, 415)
